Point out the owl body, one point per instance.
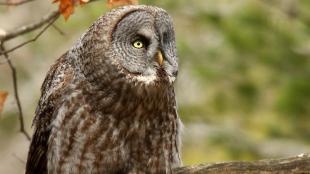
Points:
(108, 104)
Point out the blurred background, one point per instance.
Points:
(243, 89)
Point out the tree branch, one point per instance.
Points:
(15, 3)
(299, 164)
(15, 85)
(59, 30)
(28, 28)
(31, 40)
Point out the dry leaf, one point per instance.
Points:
(66, 7)
(3, 96)
(115, 3)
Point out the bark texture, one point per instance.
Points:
(293, 165)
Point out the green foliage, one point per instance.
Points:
(262, 50)
(252, 59)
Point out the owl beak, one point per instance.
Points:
(159, 57)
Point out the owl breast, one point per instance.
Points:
(115, 131)
(108, 104)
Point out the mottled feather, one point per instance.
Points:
(107, 107)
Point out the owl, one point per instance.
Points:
(108, 105)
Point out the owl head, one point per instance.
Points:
(132, 43)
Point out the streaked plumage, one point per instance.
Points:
(107, 107)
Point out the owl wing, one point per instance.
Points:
(58, 77)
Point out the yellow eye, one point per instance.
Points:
(138, 44)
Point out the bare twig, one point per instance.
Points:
(19, 159)
(59, 30)
(28, 28)
(15, 3)
(31, 40)
(15, 85)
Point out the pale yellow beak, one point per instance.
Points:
(159, 57)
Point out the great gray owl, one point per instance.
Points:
(108, 104)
